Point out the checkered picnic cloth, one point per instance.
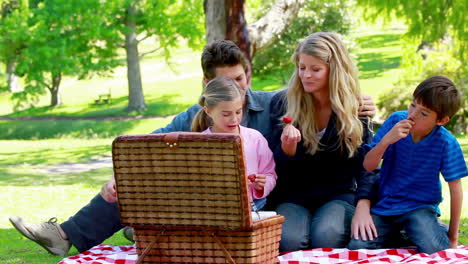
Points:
(106, 254)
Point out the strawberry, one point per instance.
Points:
(287, 120)
(251, 177)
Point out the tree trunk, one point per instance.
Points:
(231, 23)
(136, 99)
(55, 98)
(12, 79)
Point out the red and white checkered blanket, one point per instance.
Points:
(106, 254)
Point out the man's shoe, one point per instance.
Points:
(45, 234)
(128, 233)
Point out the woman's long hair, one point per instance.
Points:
(218, 90)
(343, 89)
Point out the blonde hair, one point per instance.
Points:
(343, 88)
(220, 89)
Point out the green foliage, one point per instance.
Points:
(61, 38)
(429, 20)
(438, 61)
(314, 16)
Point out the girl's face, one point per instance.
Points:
(226, 116)
(424, 118)
(313, 73)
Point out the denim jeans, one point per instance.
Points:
(93, 224)
(327, 226)
(422, 226)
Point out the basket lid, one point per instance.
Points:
(182, 179)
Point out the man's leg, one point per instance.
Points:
(331, 225)
(93, 224)
(425, 230)
(295, 235)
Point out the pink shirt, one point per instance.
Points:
(258, 158)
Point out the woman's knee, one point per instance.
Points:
(295, 233)
(330, 226)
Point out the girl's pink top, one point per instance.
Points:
(258, 158)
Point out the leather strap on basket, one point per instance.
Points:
(226, 253)
(148, 248)
(171, 139)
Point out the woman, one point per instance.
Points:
(319, 162)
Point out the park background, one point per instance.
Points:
(54, 152)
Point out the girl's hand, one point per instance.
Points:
(400, 130)
(109, 192)
(289, 139)
(362, 225)
(258, 181)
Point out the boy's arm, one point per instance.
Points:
(400, 130)
(456, 199)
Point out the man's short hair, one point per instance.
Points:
(221, 53)
(439, 94)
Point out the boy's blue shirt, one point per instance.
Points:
(409, 178)
(256, 115)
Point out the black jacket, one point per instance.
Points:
(313, 180)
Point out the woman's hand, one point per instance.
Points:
(289, 139)
(362, 225)
(109, 192)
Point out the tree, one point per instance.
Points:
(13, 14)
(225, 20)
(79, 38)
(429, 20)
(63, 38)
(167, 22)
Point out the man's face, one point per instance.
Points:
(236, 73)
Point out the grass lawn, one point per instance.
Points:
(27, 147)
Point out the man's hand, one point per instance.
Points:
(289, 139)
(109, 192)
(366, 106)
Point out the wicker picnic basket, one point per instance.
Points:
(185, 194)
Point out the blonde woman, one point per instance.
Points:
(317, 151)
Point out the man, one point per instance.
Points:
(100, 219)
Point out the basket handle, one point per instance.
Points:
(171, 139)
(226, 253)
(148, 248)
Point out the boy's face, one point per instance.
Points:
(424, 119)
(236, 73)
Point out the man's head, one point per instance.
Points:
(222, 58)
(439, 94)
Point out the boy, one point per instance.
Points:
(415, 147)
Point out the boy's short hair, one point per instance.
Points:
(439, 94)
(221, 53)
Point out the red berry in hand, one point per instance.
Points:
(287, 120)
(251, 177)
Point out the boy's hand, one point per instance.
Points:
(289, 139)
(366, 106)
(362, 225)
(400, 130)
(109, 192)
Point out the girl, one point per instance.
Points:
(317, 154)
(222, 101)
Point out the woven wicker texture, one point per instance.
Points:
(186, 196)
